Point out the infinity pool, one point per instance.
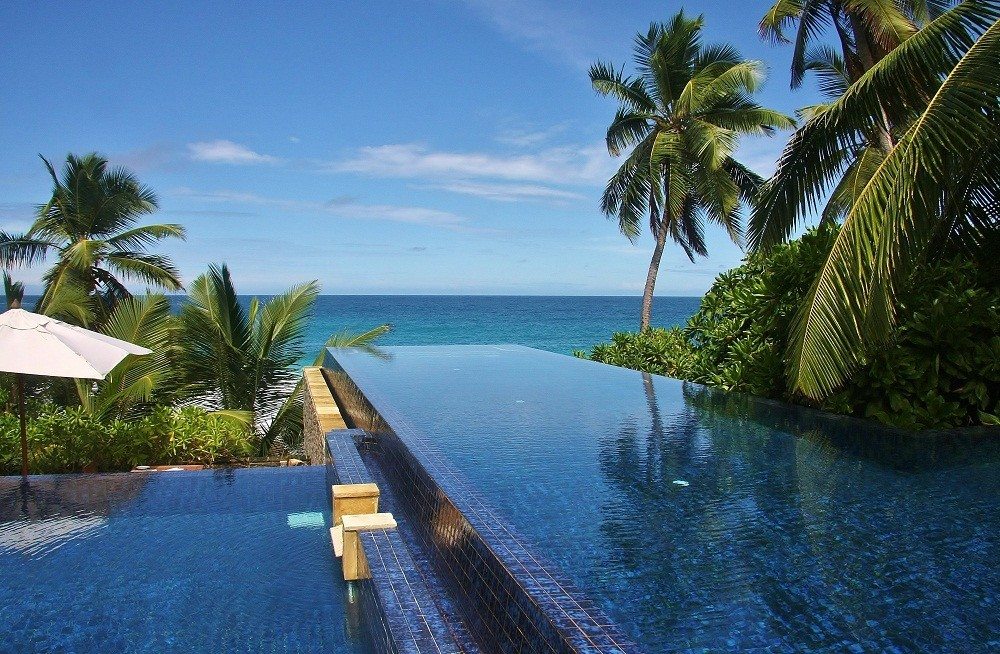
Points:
(704, 521)
(214, 561)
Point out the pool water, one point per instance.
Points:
(212, 561)
(702, 521)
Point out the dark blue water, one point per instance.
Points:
(703, 521)
(215, 561)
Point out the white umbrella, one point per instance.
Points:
(32, 344)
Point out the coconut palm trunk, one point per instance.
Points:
(654, 270)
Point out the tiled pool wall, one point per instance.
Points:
(509, 599)
(398, 609)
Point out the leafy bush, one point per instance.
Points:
(940, 369)
(72, 440)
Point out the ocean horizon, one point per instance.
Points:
(556, 323)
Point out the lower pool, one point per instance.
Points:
(704, 521)
(212, 561)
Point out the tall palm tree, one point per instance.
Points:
(681, 116)
(935, 190)
(90, 225)
(865, 31)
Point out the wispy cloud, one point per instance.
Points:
(579, 165)
(223, 151)
(508, 192)
(540, 27)
(16, 217)
(343, 207)
(760, 154)
(527, 137)
(155, 157)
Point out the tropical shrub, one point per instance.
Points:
(940, 368)
(70, 439)
(243, 359)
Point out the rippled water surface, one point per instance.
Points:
(214, 561)
(703, 521)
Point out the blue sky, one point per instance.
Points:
(424, 147)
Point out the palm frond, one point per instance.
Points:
(19, 250)
(895, 216)
(132, 385)
(13, 291)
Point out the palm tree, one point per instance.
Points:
(138, 383)
(238, 359)
(357, 340)
(90, 224)
(243, 362)
(13, 291)
(934, 191)
(866, 30)
(681, 116)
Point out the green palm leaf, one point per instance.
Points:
(896, 215)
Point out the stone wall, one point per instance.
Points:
(320, 414)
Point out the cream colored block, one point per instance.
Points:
(337, 538)
(354, 562)
(352, 499)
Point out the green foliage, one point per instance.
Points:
(934, 101)
(138, 382)
(69, 439)
(940, 368)
(13, 291)
(237, 359)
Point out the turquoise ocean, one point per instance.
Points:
(559, 324)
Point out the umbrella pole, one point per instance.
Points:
(24, 431)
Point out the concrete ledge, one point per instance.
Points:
(320, 413)
(368, 522)
(354, 562)
(353, 499)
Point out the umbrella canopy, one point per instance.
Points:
(32, 344)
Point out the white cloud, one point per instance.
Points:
(223, 151)
(16, 217)
(400, 214)
(156, 157)
(580, 165)
(760, 154)
(340, 207)
(524, 137)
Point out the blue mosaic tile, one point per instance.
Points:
(402, 615)
(216, 561)
(508, 597)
